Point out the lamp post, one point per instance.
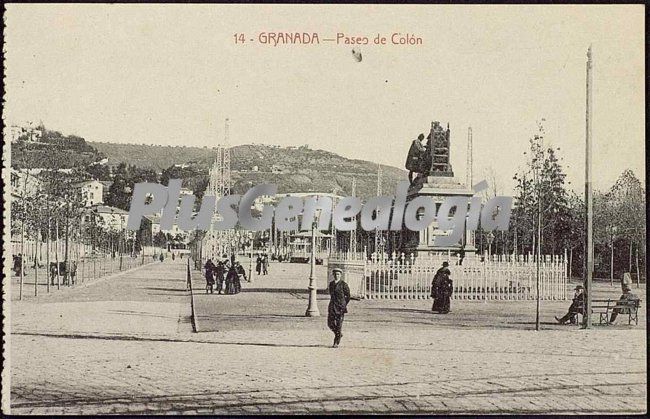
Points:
(312, 308)
(539, 239)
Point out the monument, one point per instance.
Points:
(435, 179)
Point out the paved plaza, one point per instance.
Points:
(125, 344)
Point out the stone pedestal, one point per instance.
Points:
(438, 188)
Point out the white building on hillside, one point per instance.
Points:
(23, 182)
(112, 218)
(92, 192)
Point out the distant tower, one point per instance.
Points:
(470, 236)
(353, 233)
(379, 242)
(470, 161)
(219, 241)
(378, 179)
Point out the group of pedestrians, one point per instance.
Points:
(226, 274)
(262, 264)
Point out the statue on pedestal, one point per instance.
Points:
(432, 158)
(419, 157)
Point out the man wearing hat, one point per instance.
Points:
(628, 296)
(441, 289)
(339, 299)
(576, 307)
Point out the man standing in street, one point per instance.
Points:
(219, 275)
(265, 264)
(241, 275)
(258, 265)
(339, 299)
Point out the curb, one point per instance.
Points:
(195, 325)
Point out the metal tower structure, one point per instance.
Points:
(219, 242)
(470, 162)
(379, 242)
(470, 236)
(353, 233)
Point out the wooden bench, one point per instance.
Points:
(605, 308)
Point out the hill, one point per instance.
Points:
(52, 150)
(293, 169)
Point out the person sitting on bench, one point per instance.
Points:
(627, 297)
(576, 307)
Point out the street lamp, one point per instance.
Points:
(539, 238)
(312, 308)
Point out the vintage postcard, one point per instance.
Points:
(324, 209)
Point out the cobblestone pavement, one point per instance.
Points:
(125, 345)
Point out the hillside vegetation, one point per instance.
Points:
(298, 169)
(293, 169)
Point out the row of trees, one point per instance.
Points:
(48, 206)
(124, 177)
(57, 211)
(541, 197)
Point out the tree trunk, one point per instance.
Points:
(22, 251)
(56, 252)
(611, 264)
(630, 265)
(36, 265)
(638, 276)
(67, 250)
(47, 255)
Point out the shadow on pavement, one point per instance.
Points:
(283, 290)
(165, 289)
(404, 310)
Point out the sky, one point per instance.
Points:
(171, 74)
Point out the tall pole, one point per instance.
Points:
(588, 195)
(22, 250)
(120, 243)
(353, 232)
(378, 234)
(47, 254)
(312, 308)
(611, 263)
(67, 245)
(36, 264)
(56, 254)
(539, 247)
